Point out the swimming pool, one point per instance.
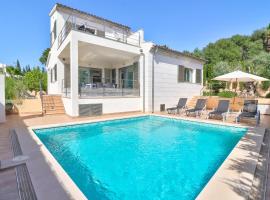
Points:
(146, 157)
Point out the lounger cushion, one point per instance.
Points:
(216, 112)
(193, 110)
(247, 114)
(252, 108)
(173, 108)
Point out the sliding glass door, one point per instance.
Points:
(89, 76)
(129, 76)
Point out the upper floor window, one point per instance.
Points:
(54, 30)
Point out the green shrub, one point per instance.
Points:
(14, 88)
(9, 106)
(227, 94)
(10, 88)
(265, 85)
(267, 95)
(207, 94)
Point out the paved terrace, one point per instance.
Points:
(41, 173)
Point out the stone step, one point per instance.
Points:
(52, 104)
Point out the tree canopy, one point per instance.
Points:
(32, 79)
(239, 52)
(44, 56)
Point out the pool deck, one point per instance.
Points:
(232, 180)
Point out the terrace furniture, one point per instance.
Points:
(81, 27)
(249, 111)
(199, 107)
(221, 111)
(181, 105)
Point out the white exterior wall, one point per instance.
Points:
(264, 109)
(109, 105)
(55, 87)
(67, 105)
(2, 99)
(115, 104)
(167, 90)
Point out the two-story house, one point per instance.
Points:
(100, 66)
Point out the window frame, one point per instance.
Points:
(190, 75)
(53, 74)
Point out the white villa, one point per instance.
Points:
(99, 66)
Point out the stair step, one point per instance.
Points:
(52, 104)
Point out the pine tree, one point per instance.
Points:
(18, 67)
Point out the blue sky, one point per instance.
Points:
(183, 25)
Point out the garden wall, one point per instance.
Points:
(236, 103)
(2, 99)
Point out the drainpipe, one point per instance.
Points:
(153, 77)
(142, 54)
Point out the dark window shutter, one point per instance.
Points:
(55, 73)
(181, 73)
(54, 30)
(198, 76)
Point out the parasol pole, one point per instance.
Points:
(236, 80)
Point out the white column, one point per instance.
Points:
(74, 71)
(60, 75)
(2, 99)
(141, 80)
(117, 76)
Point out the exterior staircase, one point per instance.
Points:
(52, 104)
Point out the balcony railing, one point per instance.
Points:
(132, 39)
(127, 88)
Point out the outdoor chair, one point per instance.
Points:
(222, 110)
(181, 105)
(199, 107)
(249, 111)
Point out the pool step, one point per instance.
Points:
(261, 183)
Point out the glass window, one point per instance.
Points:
(53, 74)
(188, 75)
(129, 76)
(89, 75)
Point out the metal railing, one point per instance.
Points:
(105, 88)
(100, 31)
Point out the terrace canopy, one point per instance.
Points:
(239, 76)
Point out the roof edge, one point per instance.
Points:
(167, 49)
(61, 6)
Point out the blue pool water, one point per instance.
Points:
(141, 158)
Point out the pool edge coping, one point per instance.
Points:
(70, 187)
(75, 192)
